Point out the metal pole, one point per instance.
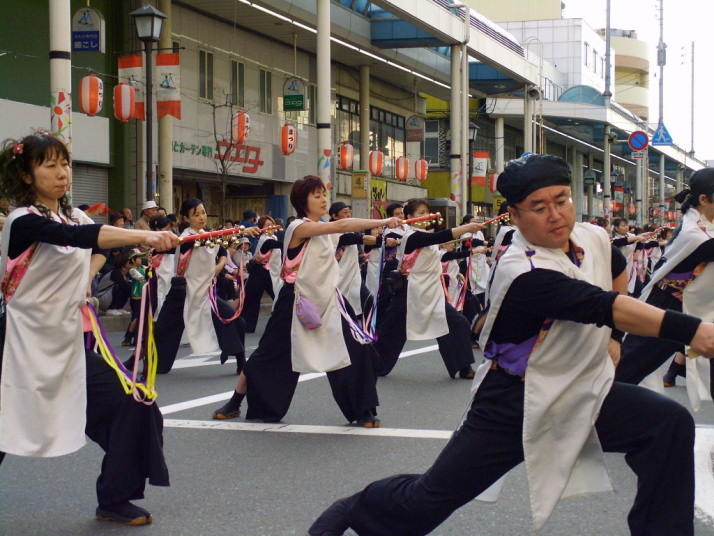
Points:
(661, 60)
(500, 142)
(638, 191)
(324, 100)
(606, 186)
(166, 126)
(607, 94)
(576, 163)
(364, 131)
(61, 74)
(661, 188)
(150, 185)
(455, 123)
(691, 151)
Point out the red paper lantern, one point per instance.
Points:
(402, 168)
(124, 101)
(288, 138)
(346, 153)
(376, 162)
(421, 169)
(91, 94)
(631, 209)
(240, 127)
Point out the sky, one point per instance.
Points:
(684, 21)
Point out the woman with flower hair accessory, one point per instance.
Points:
(50, 396)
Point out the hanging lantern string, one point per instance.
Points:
(224, 232)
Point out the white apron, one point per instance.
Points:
(322, 349)
(478, 277)
(454, 288)
(372, 279)
(350, 278)
(43, 389)
(697, 300)
(164, 273)
(197, 316)
(569, 375)
(273, 265)
(426, 303)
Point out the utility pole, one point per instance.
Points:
(661, 61)
(607, 94)
(691, 151)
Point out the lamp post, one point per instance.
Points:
(148, 21)
(473, 132)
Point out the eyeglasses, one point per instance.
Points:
(561, 207)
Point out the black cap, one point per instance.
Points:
(336, 207)
(527, 174)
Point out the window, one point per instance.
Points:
(347, 125)
(431, 142)
(237, 84)
(266, 92)
(387, 134)
(595, 61)
(587, 54)
(205, 75)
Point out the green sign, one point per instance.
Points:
(588, 181)
(293, 103)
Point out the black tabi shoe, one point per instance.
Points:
(125, 513)
(467, 373)
(333, 521)
(229, 410)
(670, 377)
(224, 357)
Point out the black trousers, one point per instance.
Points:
(272, 382)
(169, 328)
(655, 433)
(258, 282)
(129, 432)
(455, 346)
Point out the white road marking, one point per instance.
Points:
(212, 399)
(308, 429)
(202, 361)
(704, 475)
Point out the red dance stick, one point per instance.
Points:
(428, 217)
(224, 232)
(503, 216)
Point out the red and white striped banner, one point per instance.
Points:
(168, 80)
(131, 71)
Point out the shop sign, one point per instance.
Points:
(293, 95)
(88, 31)
(359, 184)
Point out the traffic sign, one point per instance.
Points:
(638, 140)
(638, 154)
(662, 136)
(293, 95)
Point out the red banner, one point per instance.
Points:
(168, 90)
(131, 71)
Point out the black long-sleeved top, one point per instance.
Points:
(269, 244)
(455, 255)
(704, 253)
(31, 228)
(540, 294)
(349, 239)
(422, 239)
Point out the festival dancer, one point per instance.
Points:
(264, 272)
(188, 304)
(503, 236)
(52, 392)
(419, 311)
(305, 332)
(627, 242)
(684, 281)
(547, 352)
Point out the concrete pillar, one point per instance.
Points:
(661, 189)
(465, 148)
(455, 124)
(166, 126)
(527, 123)
(61, 73)
(606, 186)
(324, 100)
(500, 143)
(576, 164)
(364, 130)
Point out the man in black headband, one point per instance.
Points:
(545, 339)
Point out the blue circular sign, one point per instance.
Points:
(638, 140)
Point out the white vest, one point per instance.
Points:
(569, 375)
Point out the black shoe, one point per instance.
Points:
(229, 410)
(125, 513)
(674, 370)
(467, 373)
(333, 521)
(224, 357)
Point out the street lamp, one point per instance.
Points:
(148, 21)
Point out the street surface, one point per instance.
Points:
(253, 479)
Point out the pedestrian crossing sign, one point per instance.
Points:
(661, 136)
